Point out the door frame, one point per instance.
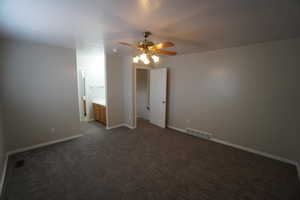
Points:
(136, 67)
(106, 91)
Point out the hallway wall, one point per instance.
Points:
(119, 89)
(115, 99)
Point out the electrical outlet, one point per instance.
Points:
(187, 121)
(52, 130)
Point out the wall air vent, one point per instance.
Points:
(19, 163)
(198, 133)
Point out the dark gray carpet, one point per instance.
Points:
(146, 163)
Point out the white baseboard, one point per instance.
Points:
(128, 126)
(176, 129)
(285, 160)
(88, 120)
(42, 145)
(120, 125)
(3, 174)
(114, 126)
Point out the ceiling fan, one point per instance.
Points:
(149, 50)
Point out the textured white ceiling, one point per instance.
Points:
(194, 25)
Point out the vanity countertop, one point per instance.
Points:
(100, 101)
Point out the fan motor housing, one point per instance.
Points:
(145, 44)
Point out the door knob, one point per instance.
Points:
(164, 102)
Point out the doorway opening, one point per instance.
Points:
(91, 75)
(142, 95)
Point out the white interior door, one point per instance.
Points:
(158, 96)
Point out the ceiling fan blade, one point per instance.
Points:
(162, 45)
(169, 53)
(127, 44)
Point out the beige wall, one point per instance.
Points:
(40, 93)
(115, 90)
(246, 95)
(128, 88)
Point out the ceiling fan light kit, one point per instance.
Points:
(149, 50)
(145, 58)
